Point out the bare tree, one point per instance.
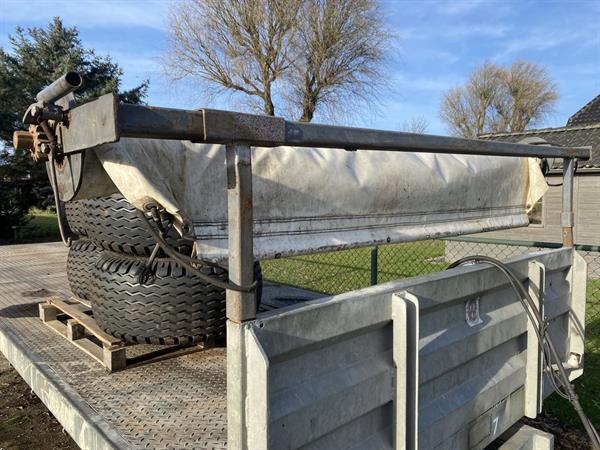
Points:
(340, 49)
(468, 110)
(322, 52)
(499, 99)
(529, 96)
(416, 124)
(236, 45)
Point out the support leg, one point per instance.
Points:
(567, 217)
(241, 306)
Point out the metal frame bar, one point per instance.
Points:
(105, 120)
(567, 216)
(241, 306)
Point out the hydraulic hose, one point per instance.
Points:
(544, 339)
(63, 235)
(187, 262)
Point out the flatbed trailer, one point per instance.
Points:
(486, 372)
(446, 360)
(177, 402)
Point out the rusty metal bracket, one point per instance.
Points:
(91, 124)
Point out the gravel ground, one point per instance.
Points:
(25, 423)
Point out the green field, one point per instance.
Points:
(43, 223)
(343, 271)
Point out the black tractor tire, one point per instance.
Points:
(170, 307)
(81, 260)
(73, 215)
(114, 224)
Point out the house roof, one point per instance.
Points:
(570, 136)
(587, 115)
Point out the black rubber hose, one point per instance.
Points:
(63, 235)
(183, 260)
(543, 338)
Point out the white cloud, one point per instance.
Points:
(458, 7)
(542, 39)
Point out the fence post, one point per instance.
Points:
(567, 217)
(374, 269)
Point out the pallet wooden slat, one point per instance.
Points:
(111, 353)
(90, 324)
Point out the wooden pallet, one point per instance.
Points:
(73, 320)
(79, 329)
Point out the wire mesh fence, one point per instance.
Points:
(343, 271)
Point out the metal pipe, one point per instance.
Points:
(316, 135)
(22, 140)
(160, 123)
(567, 216)
(66, 84)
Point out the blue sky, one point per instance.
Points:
(439, 43)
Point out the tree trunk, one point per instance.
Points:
(307, 114)
(268, 108)
(309, 105)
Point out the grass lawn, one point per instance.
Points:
(43, 223)
(343, 271)
(588, 386)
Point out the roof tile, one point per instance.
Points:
(589, 114)
(573, 136)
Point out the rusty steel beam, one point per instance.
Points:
(106, 120)
(241, 306)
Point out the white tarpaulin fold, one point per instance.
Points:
(311, 199)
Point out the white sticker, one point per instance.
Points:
(472, 312)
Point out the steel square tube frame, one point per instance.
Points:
(106, 120)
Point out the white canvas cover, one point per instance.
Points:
(313, 199)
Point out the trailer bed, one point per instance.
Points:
(177, 402)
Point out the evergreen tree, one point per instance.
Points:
(36, 58)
